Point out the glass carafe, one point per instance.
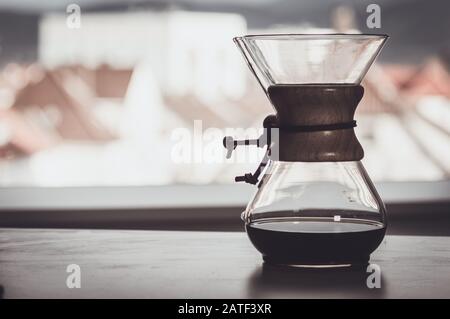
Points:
(314, 205)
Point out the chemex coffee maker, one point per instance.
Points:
(315, 205)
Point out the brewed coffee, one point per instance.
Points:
(320, 241)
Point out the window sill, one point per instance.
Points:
(413, 208)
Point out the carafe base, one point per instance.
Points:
(354, 263)
(316, 242)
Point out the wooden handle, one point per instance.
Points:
(314, 105)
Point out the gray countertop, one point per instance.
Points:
(194, 264)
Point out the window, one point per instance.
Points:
(108, 103)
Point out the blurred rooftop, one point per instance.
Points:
(101, 108)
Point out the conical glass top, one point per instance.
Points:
(310, 58)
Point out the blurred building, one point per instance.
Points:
(100, 105)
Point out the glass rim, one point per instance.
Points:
(312, 36)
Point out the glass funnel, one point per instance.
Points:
(310, 58)
(315, 205)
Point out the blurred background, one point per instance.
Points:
(98, 105)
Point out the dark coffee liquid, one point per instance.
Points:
(316, 241)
